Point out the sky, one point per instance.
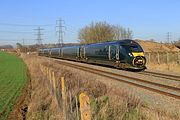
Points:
(148, 19)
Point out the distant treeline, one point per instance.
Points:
(6, 47)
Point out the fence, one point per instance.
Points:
(162, 57)
(64, 98)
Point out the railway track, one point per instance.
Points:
(161, 75)
(149, 85)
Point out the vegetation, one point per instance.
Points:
(6, 47)
(107, 102)
(177, 43)
(13, 78)
(102, 32)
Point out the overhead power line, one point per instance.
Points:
(24, 32)
(24, 25)
(6, 39)
(17, 32)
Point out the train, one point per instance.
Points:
(123, 54)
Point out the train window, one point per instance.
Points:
(113, 50)
(133, 48)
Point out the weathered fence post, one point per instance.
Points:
(85, 107)
(63, 96)
(149, 56)
(54, 83)
(77, 109)
(178, 57)
(50, 77)
(167, 54)
(158, 59)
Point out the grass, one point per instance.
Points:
(106, 103)
(12, 79)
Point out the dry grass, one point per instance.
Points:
(165, 67)
(106, 103)
(41, 106)
(150, 46)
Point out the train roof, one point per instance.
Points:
(71, 46)
(123, 42)
(55, 48)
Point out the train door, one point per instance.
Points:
(112, 52)
(78, 53)
(62, 50)
(82, 52)
(59, 52)
(123, 54)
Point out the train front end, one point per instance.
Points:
(139, 60)
(135, 55)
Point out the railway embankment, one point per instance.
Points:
(161, 56)
(109, 99)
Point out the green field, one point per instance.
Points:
(12, 79)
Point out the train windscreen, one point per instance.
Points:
(133, 48)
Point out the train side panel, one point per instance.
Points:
(100, 54)
(55, 52)
(46, 52)
(72, 52)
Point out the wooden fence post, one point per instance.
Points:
(167, 54)
(77, 109)
(158, 59)
(54, 82)
(85, 107)
(149, 56)
(178, 57)
(49, 76)
(63, 97)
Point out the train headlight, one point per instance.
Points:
(130, 54)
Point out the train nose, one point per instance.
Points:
(139, 61)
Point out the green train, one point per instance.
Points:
(123, 54)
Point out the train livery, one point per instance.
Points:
(124, 54)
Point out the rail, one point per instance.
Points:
(152, 86)
(161, 75)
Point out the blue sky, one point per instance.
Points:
(149, 19)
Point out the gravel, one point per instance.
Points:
(152, 99)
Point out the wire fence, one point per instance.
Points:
(162, 57)
(73, 106)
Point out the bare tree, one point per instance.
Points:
(102, 32)
(96, 32)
